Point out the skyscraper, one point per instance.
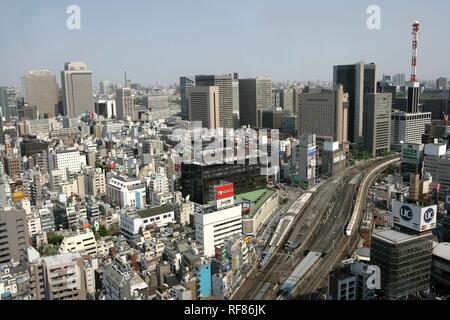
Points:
(287, 99)
(357, 79)
(236, 115)
(399, 79)
(413, 97)
(442, 83)
(254, 94)
(225, 84)
(78, 97)
(324, 113)
(204, 106)
(124, 103)
(8, 102)
(41, 90)
(104, 88)
(407, 128)
(185, 83)
(377, 122)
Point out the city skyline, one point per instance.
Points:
(155, 49)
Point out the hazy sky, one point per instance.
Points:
(159, 40)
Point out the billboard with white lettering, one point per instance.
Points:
(414, 217)
(447, 201)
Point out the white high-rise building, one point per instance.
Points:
(408, 128)
(214, 226)
(68, 161)
(124, 192)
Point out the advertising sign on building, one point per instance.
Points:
(224, 195)
(246, 206)
(312, 151)
(447, 201)
(414, 217)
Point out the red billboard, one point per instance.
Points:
(224, 191)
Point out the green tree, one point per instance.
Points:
(103, 231)
(56, 239)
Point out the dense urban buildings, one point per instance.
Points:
(332, 189)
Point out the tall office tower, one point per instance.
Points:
(236, 115)
(407, 128)
(413, 97)
(254, 94)
(324, 113)
(399, 79)
(204, 106)
(357, 79)
(185, 83)
(387, 78)
(124, 103)
(8, 102)
(41, 90)
(442, 83)
(287, 99)
(13, 235)
(404, 261)
(377, 122)
(104, 88)
(78, 96)
(225, 84)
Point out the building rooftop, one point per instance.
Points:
(257, 197)
(442, 250)
(150, 212)
(61, 258)
(395, 237)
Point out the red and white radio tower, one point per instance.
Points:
(415, 44)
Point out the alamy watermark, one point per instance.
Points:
(228, 146)
(374, 19)
(73, 22)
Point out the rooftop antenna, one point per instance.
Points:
(415, 45)
(125, 76)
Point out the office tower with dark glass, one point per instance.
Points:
(254, 94)
(8, 102)
(78, 96)
(225, 84)
(377, 123)
(41, 90)
(358, 79)
(204, 106)
(185, 83)
(404, 261)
